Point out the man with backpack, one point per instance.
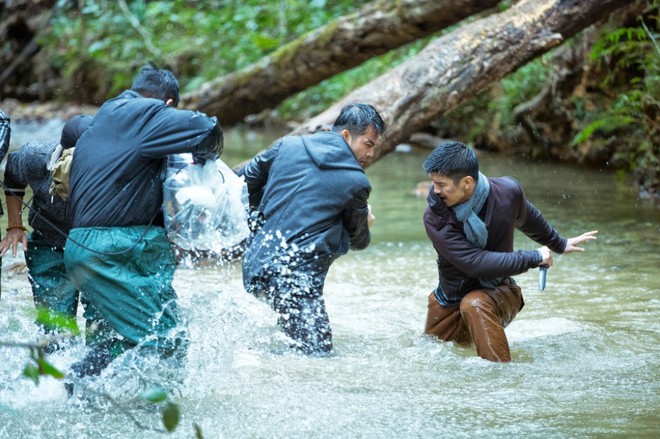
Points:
(52, 289)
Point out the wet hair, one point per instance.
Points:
(454, 160)
(357, 118)
(157, 83)
(73, 129)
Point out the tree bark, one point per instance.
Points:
(458, 65)
(336, 47)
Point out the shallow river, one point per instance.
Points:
(586, 351)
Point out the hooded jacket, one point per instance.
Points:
(461, 264)
(116, 172)
(312, 194)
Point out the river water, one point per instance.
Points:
(586, 351)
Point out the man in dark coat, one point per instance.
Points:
(44, 246)
(117, 253)
(471, 221)
(310, 195)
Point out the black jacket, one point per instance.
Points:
(461, 263)
(312, 193)
(117, 165)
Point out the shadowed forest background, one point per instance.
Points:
(548, 80)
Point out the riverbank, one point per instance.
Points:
(43, 111)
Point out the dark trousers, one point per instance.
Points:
(480, 318)
(298, 299)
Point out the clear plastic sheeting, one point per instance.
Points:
(205, 206)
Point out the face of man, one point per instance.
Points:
(362, 145)
(450, 192)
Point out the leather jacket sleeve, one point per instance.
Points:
(532, 223)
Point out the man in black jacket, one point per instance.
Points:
(311, 195)
(471, 221)
(117, 253)
(52, 289)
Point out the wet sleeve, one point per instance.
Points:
(355, 219)
(256, 173)
(172, 131)
(210, 146)
(16, 173)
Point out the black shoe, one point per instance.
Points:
(94, 362)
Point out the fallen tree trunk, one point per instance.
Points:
(336, 47)
(458, 65)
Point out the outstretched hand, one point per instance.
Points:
(11, 241)
(572, 243)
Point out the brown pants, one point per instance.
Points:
(480, 318)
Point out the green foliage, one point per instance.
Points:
(608, 122)
(501, 100)
(104, 43)
(519, 87)
(154, 395)
(38, 366)
(55, 320)
(316, 99)
(171, 413)
(635, 113)
(171, 416)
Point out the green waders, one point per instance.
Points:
(51, 287)
(126, 274)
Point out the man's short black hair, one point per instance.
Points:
(357, 118)
(454, 160)
(157, 83)
(73, 129)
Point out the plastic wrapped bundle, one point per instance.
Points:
(205, 206)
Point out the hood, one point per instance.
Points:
(329, 150)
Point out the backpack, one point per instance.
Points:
(59, 173)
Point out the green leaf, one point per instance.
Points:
(171, 416)
(45, 368)
(52, 319)
(154, 394)
(31, 371)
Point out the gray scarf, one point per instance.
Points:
(467, 213)
(474, 228)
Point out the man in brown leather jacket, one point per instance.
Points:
(471, 221)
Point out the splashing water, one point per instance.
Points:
(586, 354)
